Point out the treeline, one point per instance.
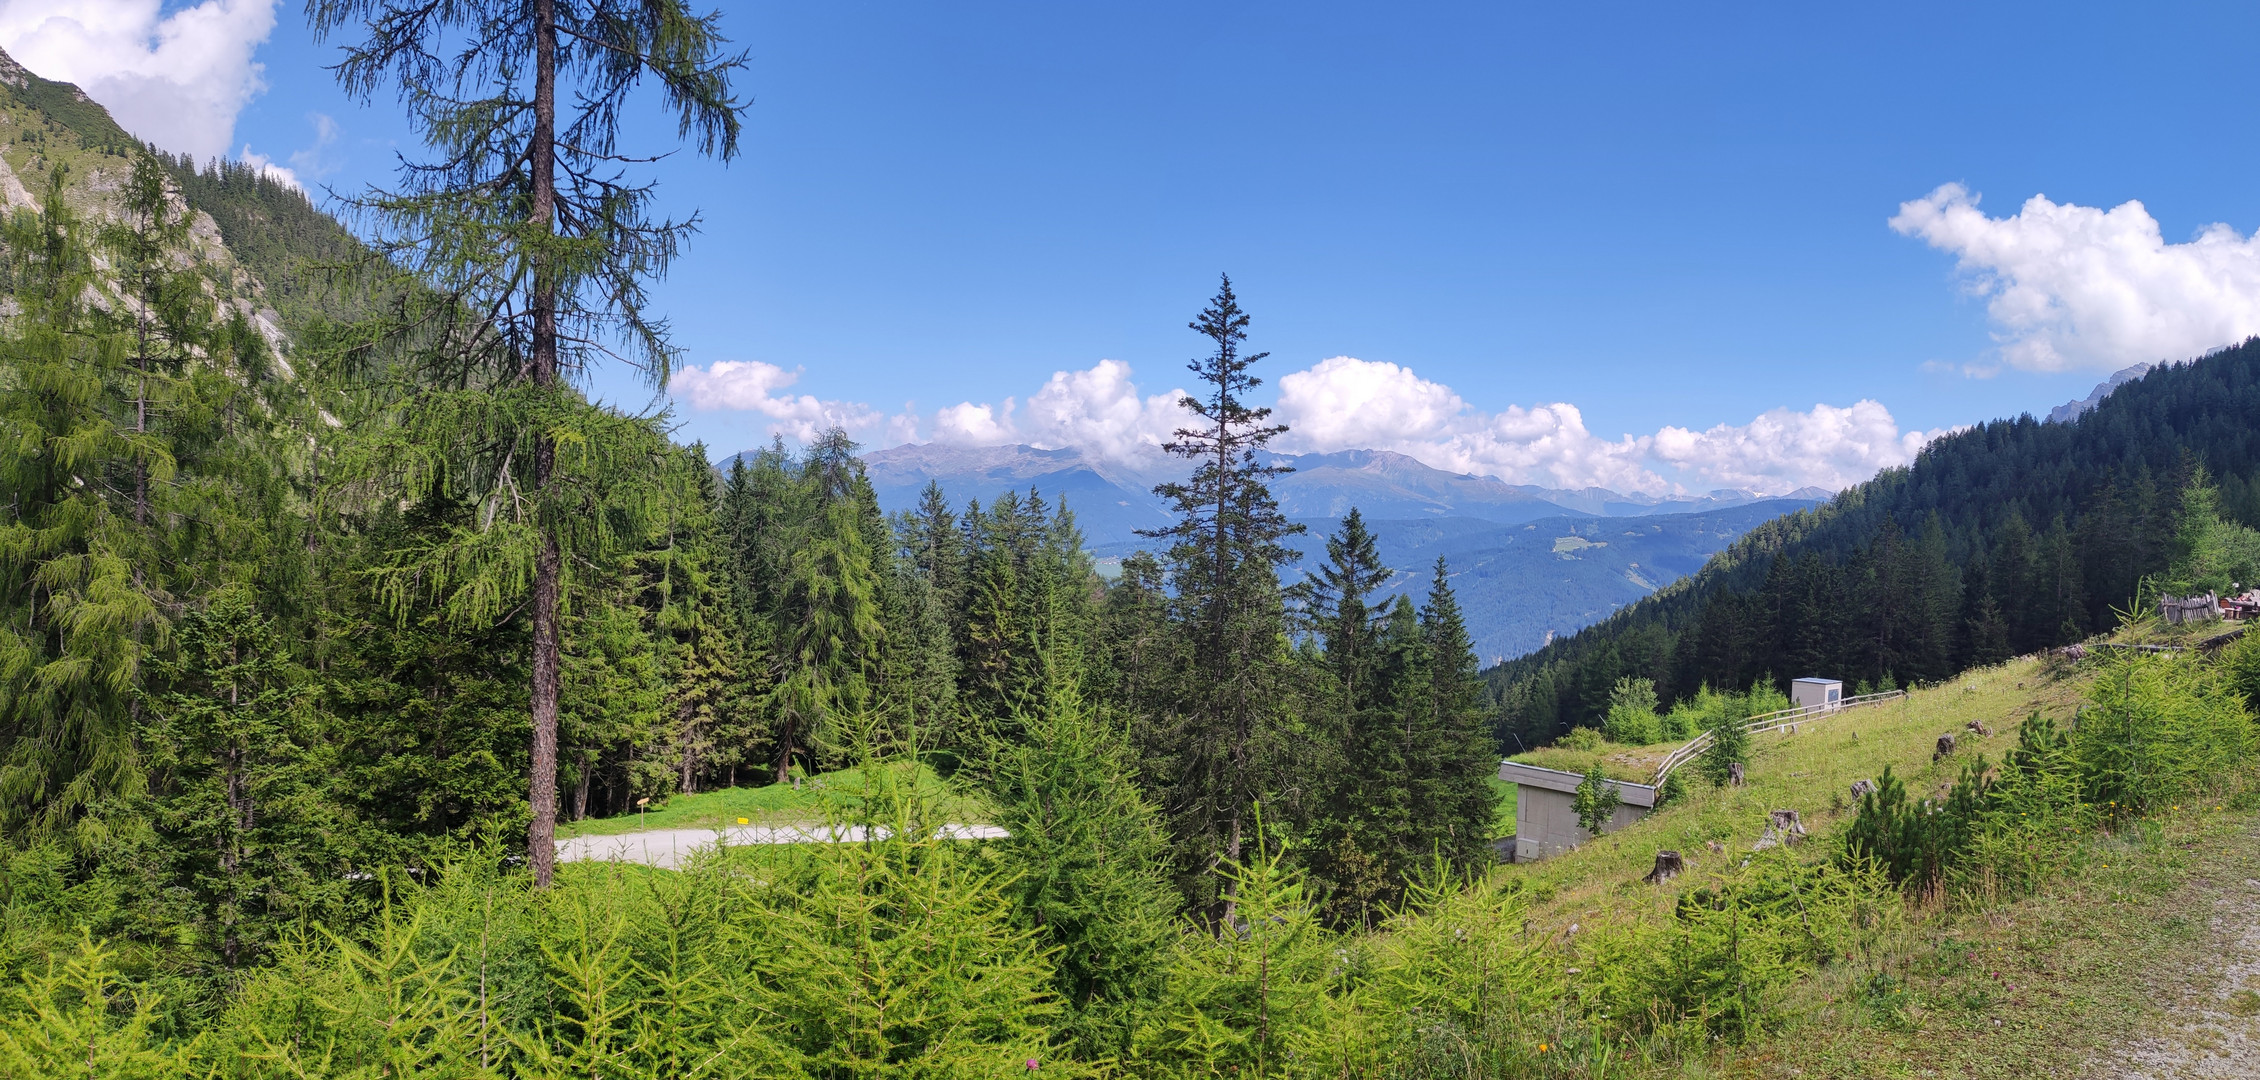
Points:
(2011, 536)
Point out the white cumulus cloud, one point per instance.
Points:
(1345, 403)
(1097, 410)
(1349, 404)
(2077, 287)
(177, 79)
(1828, 447)
(752, 386)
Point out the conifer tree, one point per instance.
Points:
(239, 779)
(538, 252)
(1455, 802)
(81, 612)
(1365, 804)
(1090, 858)
(1341, 613)
(1224, 556)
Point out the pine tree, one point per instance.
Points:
(538, 254)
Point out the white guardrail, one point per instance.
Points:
(1773, 721)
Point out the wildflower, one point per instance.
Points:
(1541, 1048)
(1031, 1064)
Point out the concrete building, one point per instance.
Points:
(1546, 810)
(1816, 693)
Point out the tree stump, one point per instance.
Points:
(1945, 747)
(1789, 823)
(1862, 787)
(1668, 866)
(1734, 774)
(1979, 727)
(1783, 827)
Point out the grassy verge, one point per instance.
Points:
(821, 798)
(2045, 985)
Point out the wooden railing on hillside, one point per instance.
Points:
(1773, 721)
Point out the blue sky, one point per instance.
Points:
(1666, 216)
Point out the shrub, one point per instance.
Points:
(1763, 698)
(1915, 844)
(2033, 810)
(1463, 982)
(1632, 716)
(1696, 714)
(1674, 788)
(1596, 800)
(1730, 743)
(2240, 666)
(1729, 953)
(2160, 728)
(1583, 738)
(1251, 998)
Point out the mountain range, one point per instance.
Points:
(1114, 499)
(1530, 562)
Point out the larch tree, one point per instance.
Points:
(78, 613)
(536, 251)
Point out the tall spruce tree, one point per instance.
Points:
(1454, 799)
(1225, 552)
(1368, 773)
(539, 251)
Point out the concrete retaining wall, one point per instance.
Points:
(1545, 809)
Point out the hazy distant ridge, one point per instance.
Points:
(1113, 499)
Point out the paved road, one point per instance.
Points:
(669, 847)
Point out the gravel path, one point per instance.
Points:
(2213, 1032)
(669, 847)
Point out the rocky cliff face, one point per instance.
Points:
(55, 138)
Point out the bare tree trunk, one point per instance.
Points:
(690, 749)
(541, 834)
(785, 755)
(581, 789)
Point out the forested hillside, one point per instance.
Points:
(2007, 537)
(281, 504)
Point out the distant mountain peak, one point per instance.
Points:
(2072, 410)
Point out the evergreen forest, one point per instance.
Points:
(2009, 537)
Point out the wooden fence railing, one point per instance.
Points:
(1773, 721)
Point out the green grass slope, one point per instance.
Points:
(1811, 772)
